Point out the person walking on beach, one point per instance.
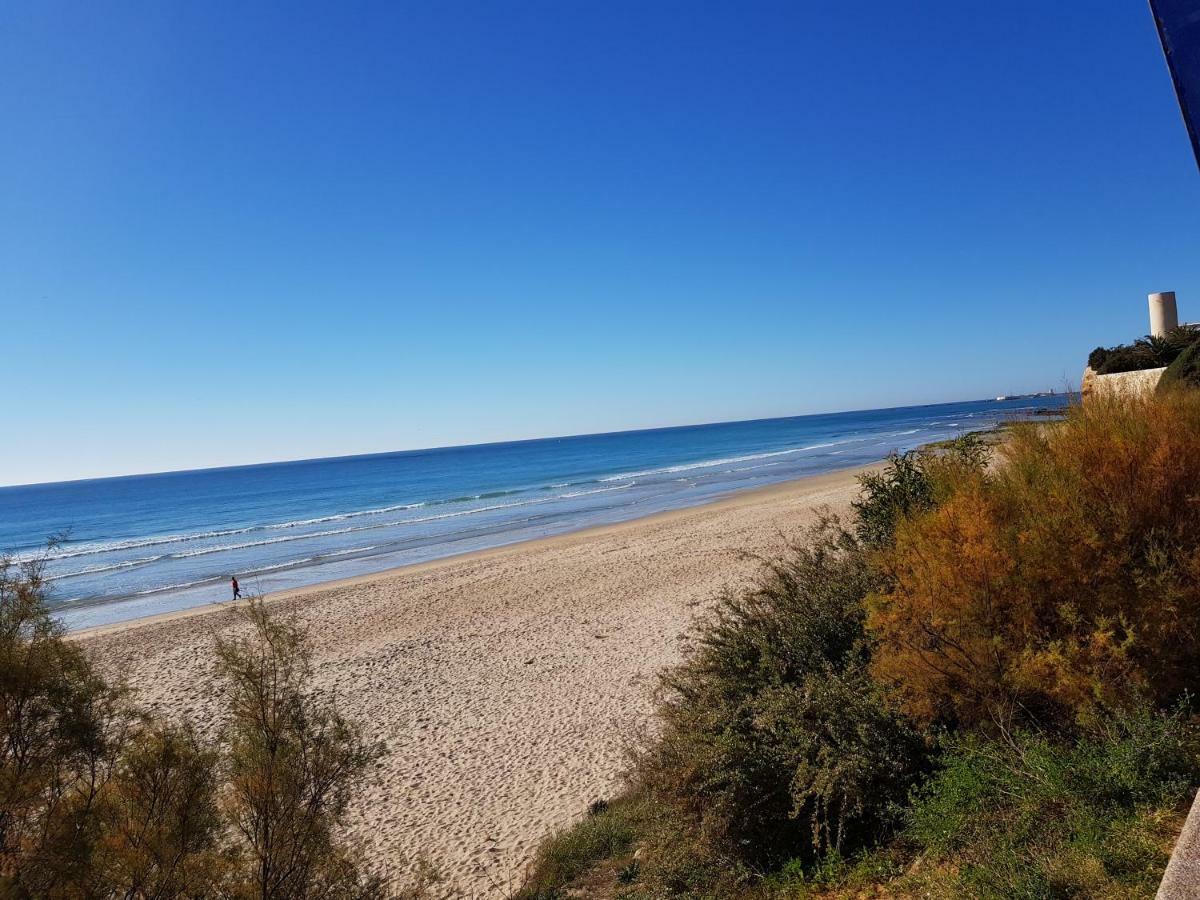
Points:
(237, 591)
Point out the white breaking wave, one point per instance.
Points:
(710, 463)
(331, 532)
(174, 587)
(226, 548)
(95, 549)
(619, 487)
(138, 543)
(249, 575)
(95, 570)
(763, 466)
(299, 523)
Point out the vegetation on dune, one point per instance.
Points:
(914, 483)
(291, 765)
(607, 834)
(981, 687)
(100, 800)
(1024, 815)
(1064, 582)
(775, 742)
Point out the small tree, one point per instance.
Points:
(100, 801)
(158, 820)
(60, 727)
(293, 761)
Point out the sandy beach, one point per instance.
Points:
(504, 683)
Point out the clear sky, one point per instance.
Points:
(239, 232)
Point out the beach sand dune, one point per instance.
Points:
(505, 683)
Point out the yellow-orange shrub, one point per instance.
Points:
(1066, 580)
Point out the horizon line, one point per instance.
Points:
(524, 440)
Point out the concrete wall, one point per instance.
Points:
(1123, 384)
(1182, 878)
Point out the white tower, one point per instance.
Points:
(1164, 316)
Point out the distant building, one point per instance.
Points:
(1164, 314)
(1164, 318)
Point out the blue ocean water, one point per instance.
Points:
(146, 544)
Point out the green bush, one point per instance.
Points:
(1149, 352)
(902, 489)
(909, 484)
(775, 742)
(1027, 816)
(1184, 371)
(61, 726)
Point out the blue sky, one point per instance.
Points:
(237, 232)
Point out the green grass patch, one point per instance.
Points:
(606, 834)
(1029, 816)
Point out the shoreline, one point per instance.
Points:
(291, 537)
(732, 500)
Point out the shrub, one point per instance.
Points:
(60, 730)
(775, 743)
(902, 489)
(95, 801)
(99, 800)
(1149, 352)
(1097, 358)
(292, 764)
(157, 821)
(1066, 582)
(1184, 371)
(912, 483)
(1027, 816)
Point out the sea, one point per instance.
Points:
(146, 544)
